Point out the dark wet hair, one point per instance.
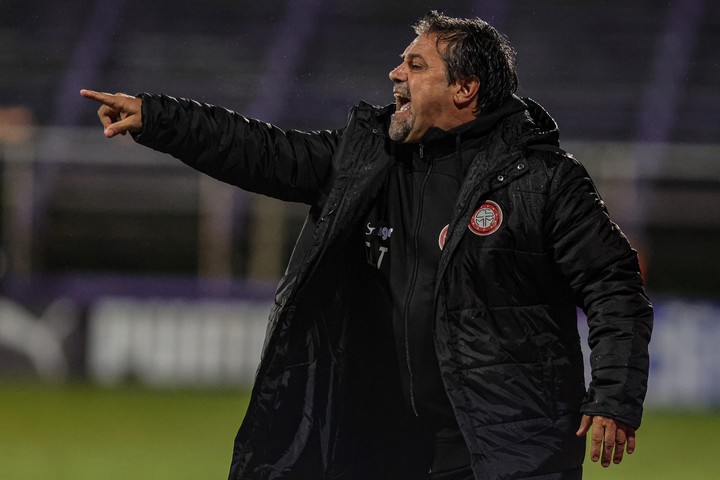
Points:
(474, 49)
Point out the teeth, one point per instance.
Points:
(402, 103)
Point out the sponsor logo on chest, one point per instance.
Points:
(375, 251)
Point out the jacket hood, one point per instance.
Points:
(538, 127)
(534, 126)
(481, 125)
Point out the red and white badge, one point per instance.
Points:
(486, 219)
(443, 236)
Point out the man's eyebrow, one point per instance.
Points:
(412, 56)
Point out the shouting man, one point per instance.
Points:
(426, 324)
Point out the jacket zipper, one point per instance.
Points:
(413, 278)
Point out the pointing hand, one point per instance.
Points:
(119, 113)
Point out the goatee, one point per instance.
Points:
(399, 128)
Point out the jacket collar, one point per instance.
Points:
(438, 139)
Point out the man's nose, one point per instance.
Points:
(397, 74)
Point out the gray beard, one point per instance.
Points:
(399, 130)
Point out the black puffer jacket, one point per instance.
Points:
(326, 404)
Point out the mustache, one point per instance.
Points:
(402, 92)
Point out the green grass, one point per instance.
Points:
(81, 432)
(670, 446)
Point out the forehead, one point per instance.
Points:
(425, 46)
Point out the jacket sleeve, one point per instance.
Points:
(604, 274)
(256, 156)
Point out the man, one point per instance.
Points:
(426, 325)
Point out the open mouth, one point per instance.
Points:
(402, 103)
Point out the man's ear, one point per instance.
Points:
(466, 92)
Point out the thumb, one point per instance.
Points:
(585, 424)
(128, 124)
(113, 129)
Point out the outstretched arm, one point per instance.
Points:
(118, 113)
(253, 155)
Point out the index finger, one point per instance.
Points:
(608, 443)
(104, 98)
(596, 441)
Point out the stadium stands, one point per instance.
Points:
(603, 69)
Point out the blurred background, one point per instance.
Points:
(134, 292)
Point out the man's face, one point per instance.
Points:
(422, 94)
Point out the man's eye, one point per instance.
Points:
(415, 66)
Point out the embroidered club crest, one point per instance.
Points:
(486, 219)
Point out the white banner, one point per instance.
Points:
(175, 342)
(685, 355)
(180, 343)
